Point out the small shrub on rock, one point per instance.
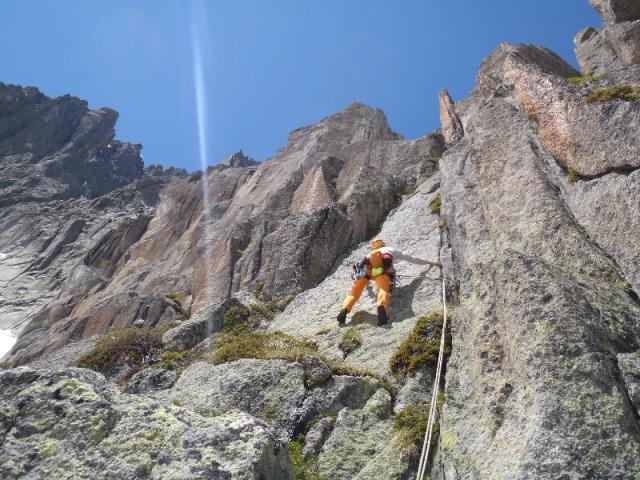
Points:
(246, 319)
(174, 360)
(302, 469)
(421, 348)
(237, 320)
(175, 296)
(628, 92)
(267, 346)
(435, 205)
(583, 80)
(126, 346)
(572, 176)
(270, 309)
(409, 427)
(349, 341)
(279, 346)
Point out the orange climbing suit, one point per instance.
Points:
(383, 282)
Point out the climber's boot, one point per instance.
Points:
(342, 316)
(382, 316)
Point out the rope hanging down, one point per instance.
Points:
(426, 446)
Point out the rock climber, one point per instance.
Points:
(378, 265)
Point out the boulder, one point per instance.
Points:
(71, 424)
(150, 379)
(359, 447)
(316, 436)
(272, 390)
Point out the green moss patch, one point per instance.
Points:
(583, 80)
(131, 346)
(572, 176)
(279, 346)
(302, 469)
(267, 346)
(435, 205)
(247, 319)
(409, 427)
(350, 341)
(175, 296)
(270, 309)
(259, 289)
(627, 91)
(177, 361)
(421, 348)
(238, 320)
(432, 160)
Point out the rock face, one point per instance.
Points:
(277, 227)
(71, 424)
(532, 210)
(54, 149)
(614, 50)
(312, 314)
(585, 137)
(545, 308)
(272, 390)
(452, 129)
(238, 159)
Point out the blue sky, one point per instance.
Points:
(267, 66)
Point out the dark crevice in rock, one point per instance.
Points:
(630, 410)
(615, 171)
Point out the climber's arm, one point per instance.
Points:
(400, 255)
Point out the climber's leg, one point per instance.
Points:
(384, 293)
(356, 290)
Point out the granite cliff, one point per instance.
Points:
(529, 195)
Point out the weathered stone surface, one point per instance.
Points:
(276, 227)
(316, 436)
(201, 325)
(316, 372)
(413, 229)
(544, 273)
(72, 425)
(340, 392)
(272, 390)
(452, 129)
(606, 207)
(616, 11)
(629, 364)
(238, 160)
(155, 170)
(531, 382)
(613, 51)
(58, 148)
(358, 446)
(491, 74)
(581, 136)
(416, 389)
(150, 379)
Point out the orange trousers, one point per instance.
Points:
(384, 291)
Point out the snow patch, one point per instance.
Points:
(7, 339)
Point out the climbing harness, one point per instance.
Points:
(358, 271)
(426, 446)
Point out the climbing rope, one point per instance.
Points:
(426, 446)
